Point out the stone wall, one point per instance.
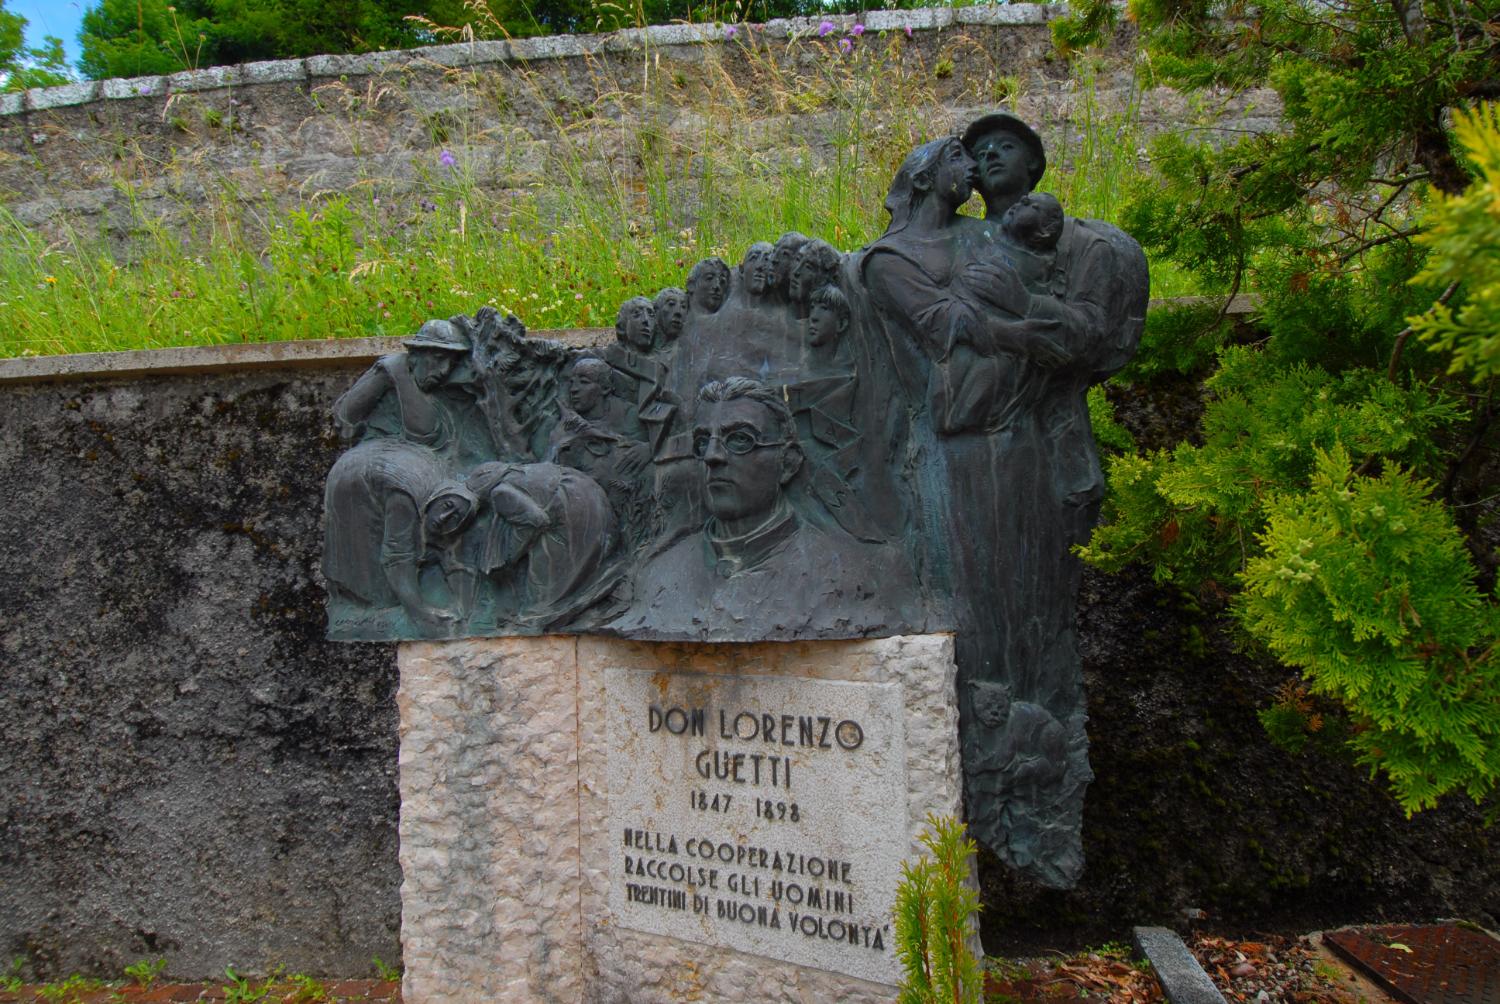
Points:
(120, 156)
(192, 771)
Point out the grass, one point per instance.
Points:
(563, 253)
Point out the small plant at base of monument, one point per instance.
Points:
(935, 909)
(241, 990)
(386, 971)
(69, 990)
(306, 990)
(145, 971)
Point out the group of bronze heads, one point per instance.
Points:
(810, 445)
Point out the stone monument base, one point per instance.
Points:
(593, 819)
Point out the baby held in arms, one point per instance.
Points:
(1031, 229)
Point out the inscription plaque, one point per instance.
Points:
(762, 814)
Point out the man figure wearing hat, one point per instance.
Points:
(367, 410)
(407, 443)
(1010, 157)
(1041, 468)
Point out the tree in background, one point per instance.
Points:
(23, 66)
(1339, 493)
(127, 38)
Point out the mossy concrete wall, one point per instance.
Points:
(192, 771)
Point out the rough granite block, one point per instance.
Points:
(326, 66)
(516, 753)
(358, 64)
(211, 79)
(491, 50)
(680, 34)
(455, 55)
(12, 102)
(133, 87)
(555, 46)
(919, 19)
(625, 40)
(1020, 13)
(1178, 972)
(274, 71)
(41, 98)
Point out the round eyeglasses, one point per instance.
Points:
(736, 441)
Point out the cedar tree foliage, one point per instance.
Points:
(1339, 493)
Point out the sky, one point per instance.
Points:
(51, 17)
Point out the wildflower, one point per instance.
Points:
(846, 44)
(908, 31)
(578, 296)
(447, 159)
(51, 280)
(857, 30)
(730, 32)
(825, 28)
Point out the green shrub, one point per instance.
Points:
(935, 909)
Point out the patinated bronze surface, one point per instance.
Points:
(808, 444)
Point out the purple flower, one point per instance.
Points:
(730, 32)
(447, 159)
(846, 44)
(825, 28)
(908, 31)
(857, 30)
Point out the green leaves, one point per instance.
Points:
(1303, 497)
(1191, 513)
(1464, 238)
(23, 66)
(1365, 584)
(128, 38)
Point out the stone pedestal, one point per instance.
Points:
(592, 819)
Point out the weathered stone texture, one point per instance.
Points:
(489, 820)
(190, 769)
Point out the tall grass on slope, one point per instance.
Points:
(563, 253)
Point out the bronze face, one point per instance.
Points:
(430, 367)
(742, 458)
(1004, 162)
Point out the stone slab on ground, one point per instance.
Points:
(522, 759)
(1181, 978)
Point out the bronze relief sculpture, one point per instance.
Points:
(806, 445)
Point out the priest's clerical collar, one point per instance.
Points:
(735, 554)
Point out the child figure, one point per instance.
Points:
(827, 317)
(1031, 231)
(981, 384)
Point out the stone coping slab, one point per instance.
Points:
(323, 353)
(506, 51)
